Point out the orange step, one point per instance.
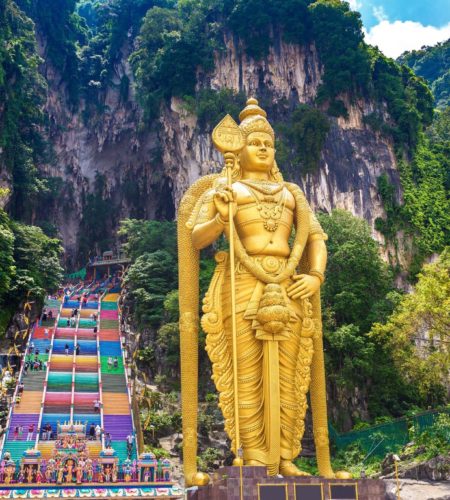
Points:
(109, 335)
(30, 402)
(116, 404)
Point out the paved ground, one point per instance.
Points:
(418, 490)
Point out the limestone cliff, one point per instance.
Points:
(147, 169)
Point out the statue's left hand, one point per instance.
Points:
(305, 286)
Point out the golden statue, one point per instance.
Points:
(261, 313)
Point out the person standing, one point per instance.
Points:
(66, 349)
(130, 441)
(30, 432)
(46, 333)
(98, 432)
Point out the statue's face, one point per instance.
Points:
(258, 155)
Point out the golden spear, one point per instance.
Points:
(229, 140)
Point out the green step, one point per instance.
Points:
(112, 371)
(62, 323)
(86, 323)
(16, 448)
(120, 447)
(34, 380)
(42, 356)
(113, 383)
(86, 382)
(48, 322)
(109, 306)
(109, 324)
(59, 381)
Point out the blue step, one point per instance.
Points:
(108, 348)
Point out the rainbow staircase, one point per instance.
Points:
(66, 390)
(117, 416)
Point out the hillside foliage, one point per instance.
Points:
(418, 332)
(29, 266)
(433, 64)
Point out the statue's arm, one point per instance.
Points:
(317, 254)
(209, 225)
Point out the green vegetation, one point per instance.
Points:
(21, 96)
(417, 333)
(337, 33)
(433, 64)
(211, 106)
(300, 141)
(423, 444)
(97, 220)
(29, 266)
(359, 291)
(173, 43)
(63, 29)
(424, 214)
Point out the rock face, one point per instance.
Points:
(147, 169)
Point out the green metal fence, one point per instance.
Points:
(383, 438)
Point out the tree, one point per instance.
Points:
(150, 278)
(357, 279)
(418, 332)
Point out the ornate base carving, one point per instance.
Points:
(257, 485)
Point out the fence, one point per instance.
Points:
(383, 438)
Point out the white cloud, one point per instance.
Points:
(379, 14)
(355, 4)
(396, 37)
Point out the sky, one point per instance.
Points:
(399, 25)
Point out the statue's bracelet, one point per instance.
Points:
(219, 220)
(317, 274)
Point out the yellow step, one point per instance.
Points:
(46, 448)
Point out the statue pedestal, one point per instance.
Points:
(257, 485)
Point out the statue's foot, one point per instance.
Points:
(197, 479)
(343, 474)
(287, 468)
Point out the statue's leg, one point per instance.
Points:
(295, 364)
(319, 410)
(249, 365)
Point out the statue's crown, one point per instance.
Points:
(253, 119)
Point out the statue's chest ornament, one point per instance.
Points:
(270, 208)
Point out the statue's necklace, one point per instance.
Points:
(269, 208)
(264, 187)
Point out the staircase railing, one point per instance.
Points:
(16, 390)
(47, 372)
(131, 401)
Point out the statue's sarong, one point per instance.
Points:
(273, 375)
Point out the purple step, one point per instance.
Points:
(24, 419)
(119, 426)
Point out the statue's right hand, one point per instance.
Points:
(223, 197)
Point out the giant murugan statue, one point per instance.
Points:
(262, 310)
